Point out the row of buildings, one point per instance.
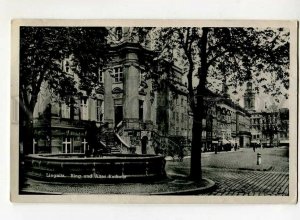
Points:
(226, 122)
(137, 112)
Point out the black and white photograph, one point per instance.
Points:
(199, 110)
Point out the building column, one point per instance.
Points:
(147, 106)
(154, 110)
(131, 94)
(108, 100)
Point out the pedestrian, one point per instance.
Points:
(91, 136)
(180, 154)
(253, 147)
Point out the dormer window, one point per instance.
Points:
(66, 67)
(119, 33)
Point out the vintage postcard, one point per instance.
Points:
(154, 111)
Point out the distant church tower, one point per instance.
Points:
(249, 97)
(225, 90)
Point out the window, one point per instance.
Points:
(65, 110)
(118, 74)
(141, 110)
(84, 108)
(99, 110)
(67, 66)
(100, 76)
(67, 145)
(84, 145)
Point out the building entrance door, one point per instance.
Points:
(118, 114)
(144, 144)
(241, 142)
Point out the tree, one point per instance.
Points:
(241, 54)
(42, 50)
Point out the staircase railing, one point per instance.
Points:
(167, 146)
(118, 131)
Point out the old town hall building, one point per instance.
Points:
(134, 113)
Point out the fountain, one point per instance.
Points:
(107, 168)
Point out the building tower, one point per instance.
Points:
(225, 89)
(249, 97)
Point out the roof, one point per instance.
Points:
(226, 100)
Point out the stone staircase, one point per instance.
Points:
(112, 140)
(109, 140)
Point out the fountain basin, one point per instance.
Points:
(109, 168)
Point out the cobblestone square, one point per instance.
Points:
(236, 173)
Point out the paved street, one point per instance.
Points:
(236, 173)
(250, 183)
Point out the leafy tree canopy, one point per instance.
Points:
(42, 50)
(234, 54)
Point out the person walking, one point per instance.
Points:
(91, 136)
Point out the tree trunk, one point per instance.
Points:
(28, 138)
(26, 141)
(198, 111)
(26, 131)
(196, 170)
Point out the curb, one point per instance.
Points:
(33, 192)
(211, 185)
(256, 169)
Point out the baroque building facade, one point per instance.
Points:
(131, 110)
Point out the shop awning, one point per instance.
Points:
(284, 141)
(255, 141)
(224, 141)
